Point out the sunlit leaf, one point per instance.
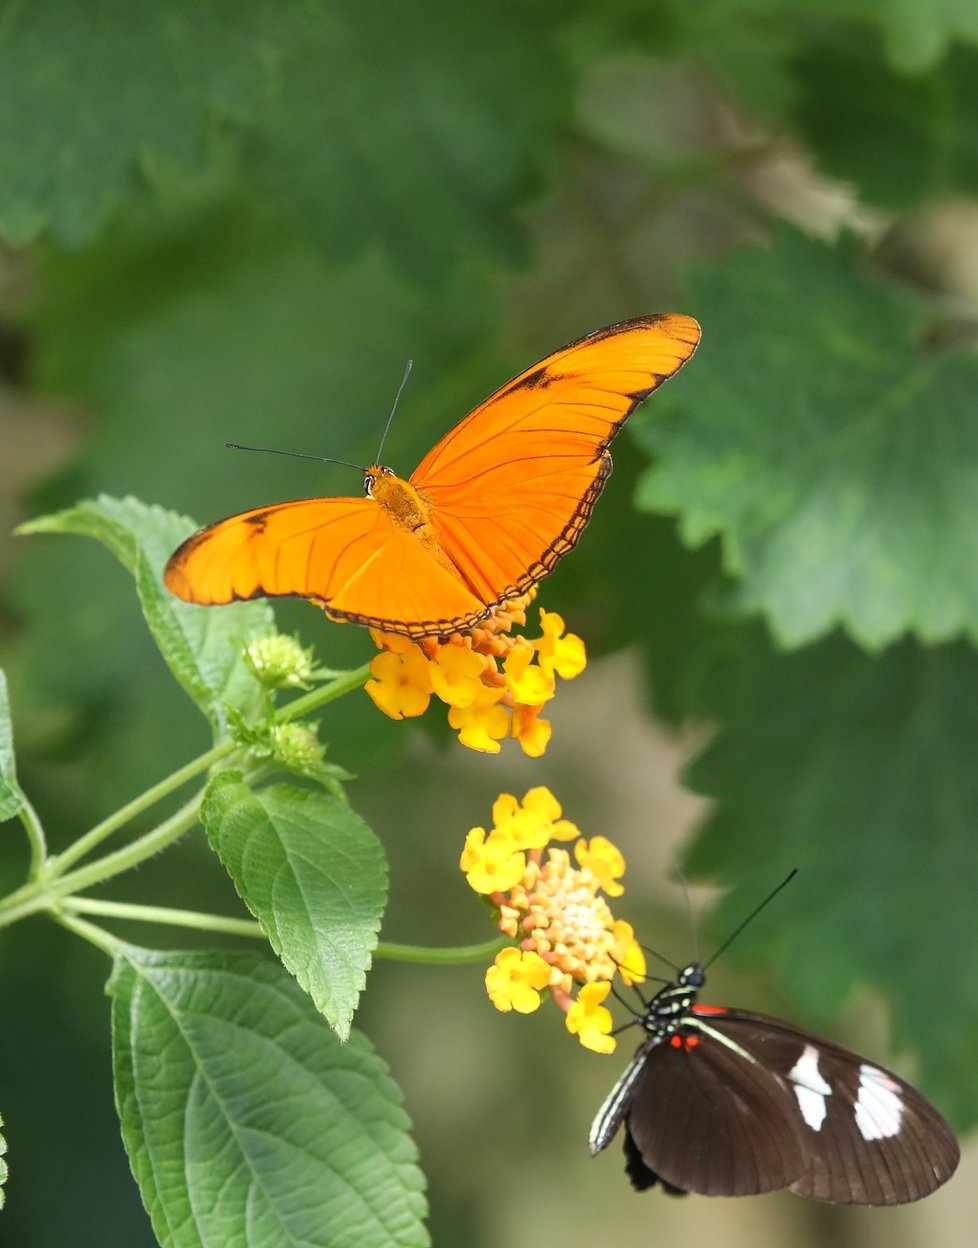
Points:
(314, 876)
(246, 1121)
(11, 798)
(830, 449)
(203, 648)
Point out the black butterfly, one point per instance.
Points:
(724, 1102)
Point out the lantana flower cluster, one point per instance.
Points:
(552, 902)
(495, 683)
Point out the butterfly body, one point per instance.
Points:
(485, 516)
(726, 1102)
(406, 510)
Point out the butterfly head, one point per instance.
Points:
(371, 476)
(670, 1006)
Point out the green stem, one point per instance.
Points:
(131, 855)
(328, 693)
(42, 894)
(162, 914)
(51, 879)
(59, 864)
(85, 844)
(445, 955)
(35, 835)
(97, 936)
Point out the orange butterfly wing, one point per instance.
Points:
(343, 553)
(498, 500)
(512, 486)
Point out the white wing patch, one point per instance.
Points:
(879, 1105)
(810, 1088)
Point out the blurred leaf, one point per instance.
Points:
(88, 95)
(741, 41)
(202, 647)
(835, 457)
(901, 140)
(416, 127)
(246, 1121)
(860, 772)
(315, 877)
(11, 798)
(918, 32)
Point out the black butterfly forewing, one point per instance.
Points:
(870, 1138)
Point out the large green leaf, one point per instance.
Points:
(246, 1121)
(203, 648)
(373, 124)
(918, 32)
(315, 877)
(833, 453)
(860, 772)
(88, 95)
(11, 798)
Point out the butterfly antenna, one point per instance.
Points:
(750, 918)
(620, 998)
(271, 450)
(662, 958)
(694, 926)
(397, 398)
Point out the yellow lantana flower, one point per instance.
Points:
(401, 685)
(555, 909)
(515, 981)
(560, 653)
(604, 860)
(483, 723)
(591, 1021)
(529, 685)
(532, 732)
(494, 682)
(456, 675)
(490, 863)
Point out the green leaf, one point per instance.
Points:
(919, 32)
(11, 798)
(860, 772)
(246, 1121)
(313, 874)
(96, 95)
(201, 646)
(416, 127)
(834, 455)
(903, 141)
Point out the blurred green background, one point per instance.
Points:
(236, 221)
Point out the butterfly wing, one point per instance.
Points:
(871, 1138)
(502, 497)
(704, 1119)
(344, 553)
(512, 486)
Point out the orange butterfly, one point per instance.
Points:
(486, 515)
